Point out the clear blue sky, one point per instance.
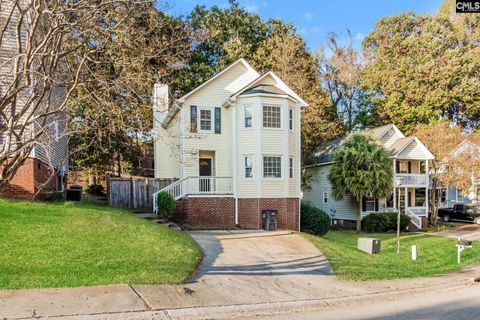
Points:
(315, 18)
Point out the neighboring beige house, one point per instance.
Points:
(451, 195)
(410, 184)
(234, 144)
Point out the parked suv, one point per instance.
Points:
(461, 212)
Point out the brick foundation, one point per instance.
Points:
(250, 212)
(29, 182)
(220, 212)
(207, 211)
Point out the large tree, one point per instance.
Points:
(45, 46)
(447, 168)
(361, 166)
(426, 67)
(110, 112)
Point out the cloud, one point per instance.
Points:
(308, 16)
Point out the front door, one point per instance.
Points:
(205, 170)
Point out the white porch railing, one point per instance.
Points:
(413, 179)
(196, 186)
(414, 218)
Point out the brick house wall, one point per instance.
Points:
(220, 212)
(34, 180)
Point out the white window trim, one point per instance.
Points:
(291, 167)
(253, 117)
(281, 116)
(212, 120)
(281, 166)
(245, 167)
(325, 197)
(291, 120)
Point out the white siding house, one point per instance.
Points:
(234, 141)
(410, 184)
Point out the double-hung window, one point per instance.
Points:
(290, 119)
(248, 166)
(248, 116)
(206, 119)
(325, 197)
(272, 117)
(272, 167)
(369, 203)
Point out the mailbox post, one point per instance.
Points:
(462, 245)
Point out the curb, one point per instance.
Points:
(251, 310)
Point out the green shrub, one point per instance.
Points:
(95, 190)
(376, 222)
(314, 220)
(384, 221)
(392, 219)
(166, 205)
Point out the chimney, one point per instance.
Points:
(160, 103)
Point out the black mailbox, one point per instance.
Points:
(465, 243)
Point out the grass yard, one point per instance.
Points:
(80, 244)
(436, 255)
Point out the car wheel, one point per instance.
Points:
(477, 220)
(446, 218)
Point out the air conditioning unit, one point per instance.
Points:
(369, 245)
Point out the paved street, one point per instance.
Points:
(452, 304)
(464, 231)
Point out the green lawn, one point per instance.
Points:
(436, 255)
(77, 244)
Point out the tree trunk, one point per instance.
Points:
(359, 220)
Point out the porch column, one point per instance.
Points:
(427, 187)
(395, 197)
(406, 199)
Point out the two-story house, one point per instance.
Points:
(233, 143)
(410, 185)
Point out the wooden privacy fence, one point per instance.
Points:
(134, 193)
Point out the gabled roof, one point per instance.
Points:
(324, 153)
(466, 146)
(176, 106)
(241, 60)
(379, 132)
(279, 84)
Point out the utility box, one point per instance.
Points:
(269, 220)
(369, 245)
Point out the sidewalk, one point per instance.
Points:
(242, 273)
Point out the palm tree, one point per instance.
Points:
(362, 167)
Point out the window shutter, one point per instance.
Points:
(218, 120)
(409, 167)
(376, 204)
(193, 118)
(397, 165)
(364, 203)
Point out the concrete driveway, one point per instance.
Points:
(252, 267)
(463, 231)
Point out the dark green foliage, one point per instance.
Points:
(95, 190)
(166, 205)
(314, 220)
(384, 221)
(392, 218)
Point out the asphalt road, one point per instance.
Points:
(455, 304)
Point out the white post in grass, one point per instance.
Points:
(398, 182)
(414, 252)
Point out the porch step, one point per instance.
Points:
(151, 217)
